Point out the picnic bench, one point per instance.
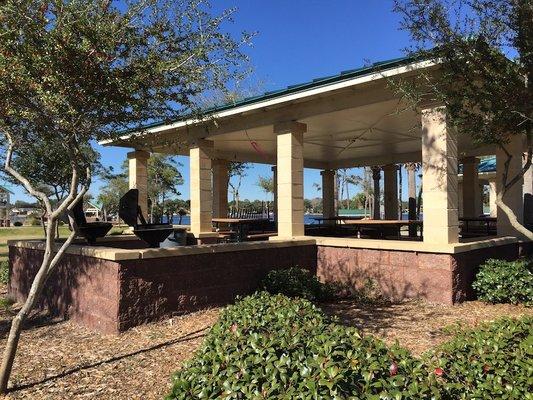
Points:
(384, 227)
(242, 228)
(471, 226)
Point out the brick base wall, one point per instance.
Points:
(85, 289)
(112, 296)
(439, 278)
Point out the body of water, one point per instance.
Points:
(308, 219)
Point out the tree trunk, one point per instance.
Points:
(512, 218)
(400, 190)
(22, 315)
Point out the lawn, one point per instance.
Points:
(23, 232)
(29, 232)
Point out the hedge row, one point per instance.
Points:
(273, 347)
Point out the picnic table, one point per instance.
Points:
(338, 218)
(488, 221)
(382, 226)
(240, 225)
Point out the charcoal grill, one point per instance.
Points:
(89, 230)
(131, 214)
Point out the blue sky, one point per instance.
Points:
(296, 41)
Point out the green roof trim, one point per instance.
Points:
(315, 83)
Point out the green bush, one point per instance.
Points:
(4, 271)
(491, 362)
(297, 282)
(500, 281)
(17, 223)
(272, 347)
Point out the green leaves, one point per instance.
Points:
(297, 282)
(500, 281)
(272, 347)
(288, 349)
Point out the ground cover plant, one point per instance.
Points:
(500, 281)
(297, 282)
(273, 347)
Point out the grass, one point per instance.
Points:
(23, 232)
(31, 232)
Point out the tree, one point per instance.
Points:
(484, 50)
(236, 171)
(73, 72)
(164, 178)
(49, 171)
(115, 187)
(266, 184)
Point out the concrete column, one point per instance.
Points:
(528, 178)
(439, 178)
(376, 176)
(138, 177)
(411, 183)
(460, 207)
(528, 195)
(220, 188)
(470, 187)
(275, 195)
(328, 194)
(513, 198)
(290, 165)
(390, 191)
(201, 196)
(492, 199)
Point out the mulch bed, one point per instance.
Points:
(418, 325)
(60, 360)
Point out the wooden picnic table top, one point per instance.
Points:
(384, 222)
(339, 218)
(237, 220)
(478, 219)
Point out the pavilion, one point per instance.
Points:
(352, 119)
(347, 120)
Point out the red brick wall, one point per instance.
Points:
(439, 278)
(186, 283)
(84, 288)
(113, 296)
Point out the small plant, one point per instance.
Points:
(6, 303)
(500, 281)
(492, 361)
(4, 271)
(17, 223)
(274, 347)
(369, 292)
(297, 282)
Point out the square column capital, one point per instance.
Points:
(139, 155)
(470, 160)
(390, 167)
(327, 172)
(201, 143)
(290, 127)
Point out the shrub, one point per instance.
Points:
(297, 282)
(4, 271)
(500, 281)
(491, 362)
(272, 347)
(17, 223)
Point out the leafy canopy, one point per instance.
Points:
(484, 49)
(76, 71)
